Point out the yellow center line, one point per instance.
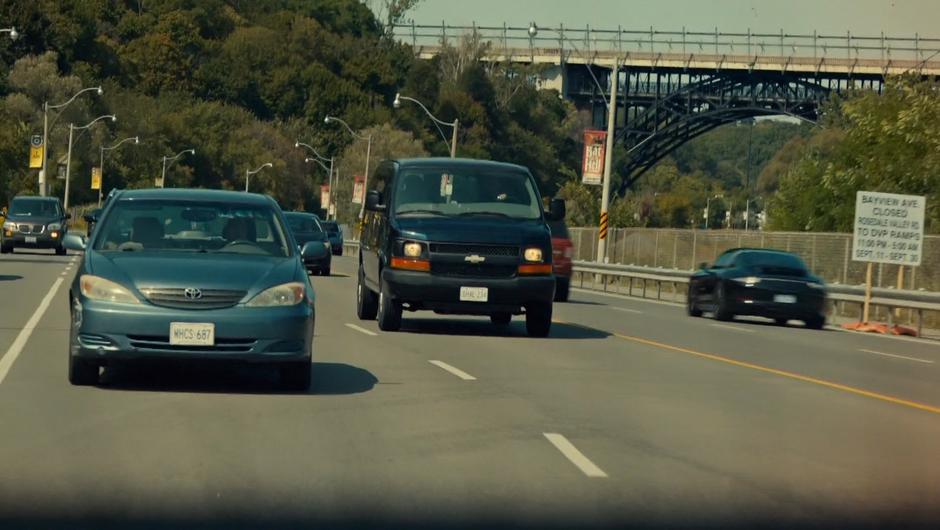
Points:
(775, 371)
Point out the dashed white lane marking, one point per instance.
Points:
(896, 356)
(626, 310)
(456, 371)
(576, 457)
(361, 330)
(6, 362)
(733, 328)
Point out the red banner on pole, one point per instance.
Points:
(359, 189)
(595, 150)
(324, 196)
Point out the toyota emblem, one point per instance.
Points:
(191, 293)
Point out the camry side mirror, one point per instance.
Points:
(74, 241)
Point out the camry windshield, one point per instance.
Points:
(187, 226)
(466, 192)
(35, 208)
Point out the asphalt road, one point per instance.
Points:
(629, 414)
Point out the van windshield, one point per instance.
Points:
(466, 192)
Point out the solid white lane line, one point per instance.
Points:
(456, 371)
(733, 328)
(361, 330)
(897, 356)
(17, 347)
(576, 457)
(626, 310)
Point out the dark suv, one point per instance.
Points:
(34, 222)
(456, 237)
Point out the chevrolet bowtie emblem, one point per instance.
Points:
(473, 258)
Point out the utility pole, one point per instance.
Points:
(608, 158)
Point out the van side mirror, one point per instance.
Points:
(557, 210)
(373, 201)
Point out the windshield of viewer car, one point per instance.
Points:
(35, 208)
(466, 192)
(194, 227)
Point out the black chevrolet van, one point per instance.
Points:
(456, 236)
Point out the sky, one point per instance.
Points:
(861, 17)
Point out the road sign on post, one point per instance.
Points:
(592, 163)
(359, 189)
(324, 196)
(36, 152)
(889, 228)
(96, 178)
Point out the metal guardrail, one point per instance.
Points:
(603, 273)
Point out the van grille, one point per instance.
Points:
(468, 270)
(467, 249)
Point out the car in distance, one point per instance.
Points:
(312, 240)
(562, 251)
(190, 274)
(34, 222)
(335, 233)
(758, 282)
(456, 236)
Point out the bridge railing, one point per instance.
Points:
(587, 41)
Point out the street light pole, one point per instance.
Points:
(249, 173)
(12, 31)
(320, 159)
(43, 182)
(452, 147)
(368, 139)
(68, 160)
(707, 210)
(171, 159)
(136, 140)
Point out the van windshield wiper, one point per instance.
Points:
(496, 214)
(432, 212)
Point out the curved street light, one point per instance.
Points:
(68, 160)
(12, 31)
(45, 131)
(250, 172)
(365, 179)
(136, 140)
(320, 159)
(171, 159)
(452, 146)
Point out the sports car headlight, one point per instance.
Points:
(533, 254)
(55, 226)
(97, 288)
(286, 294)
(749, 280)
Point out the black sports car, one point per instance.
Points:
(758, 282)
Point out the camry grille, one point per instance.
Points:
(191, 298)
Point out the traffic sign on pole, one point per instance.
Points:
(96, 178)
(889, 228)
(36, 152)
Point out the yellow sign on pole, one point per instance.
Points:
(96, 178)
(35, 157)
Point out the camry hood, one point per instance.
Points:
(203, 271)
(477, 229)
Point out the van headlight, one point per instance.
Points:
(533, 254)
(97, 288)
(286, 294)
(412, 249)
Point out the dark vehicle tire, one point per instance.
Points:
(6, 249)
(501, 319)
(690, 306)
(538, 320)
(389, 315)
(296, 375)
(339, 252)
(61, 251)
(366, 302)
(817, 322)
(327, 271)
(82, 372)
(562, 289)
(781, 321)
(721, 304)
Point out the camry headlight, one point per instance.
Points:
(749, 280)
(286, 294)
(97, 288)
(55, 226)
(533, 254)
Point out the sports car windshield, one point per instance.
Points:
(187, 226)
(466, 192)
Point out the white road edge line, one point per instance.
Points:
(6, 362)
(896, 356)
(456, 371)
(574, 456)
(625, 309)
(733, 328)
(362, 330)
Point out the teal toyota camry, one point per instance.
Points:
(190, 274)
